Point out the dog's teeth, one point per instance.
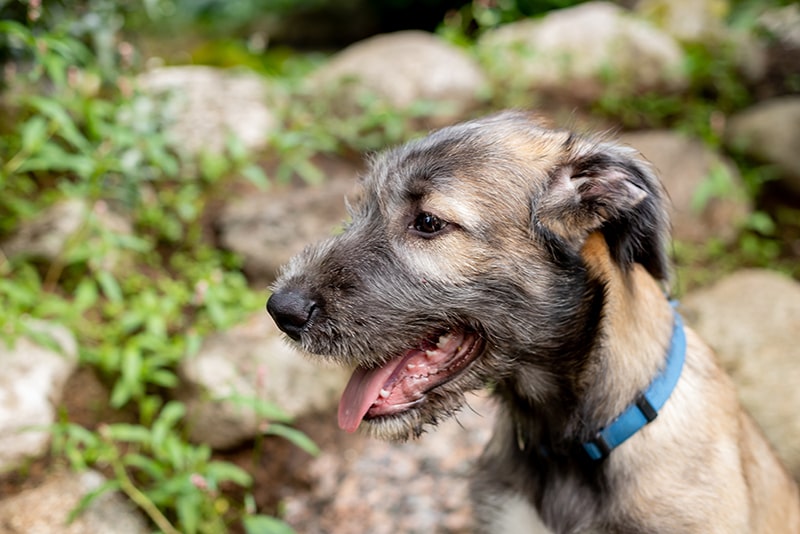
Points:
(430, 353)
(384, 393)
(443, 340)
(411, 366)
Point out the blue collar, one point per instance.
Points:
(645, 408)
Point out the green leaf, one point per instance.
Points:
(86, 500)
(34, 134)
(163, 378)
(762, 223)
(132, 366)
(264, 409)
(109, 285)
(53, 158)
(129, 433)
(188, 507)
(85, 295)
(155, 470)
(66, 126)
(256, 176)
(263, 524)
(225, 471)
(295, 436)
(172, 412)
(213, 166)
(120, 395)
(309, 172)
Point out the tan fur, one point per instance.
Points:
(750, 492)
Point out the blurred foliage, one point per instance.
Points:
(138, 299)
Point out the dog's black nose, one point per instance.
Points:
(291, 310)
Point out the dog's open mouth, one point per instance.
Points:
(404, 381)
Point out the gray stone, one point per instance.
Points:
(692, 172)
(402, 68)
(783, 24)
(770, 131)
(206, 105)
(700, 21)
(582, 52)
(45, 509)
(752, 320)
(32, 379)
(266, 228)
(248, 364)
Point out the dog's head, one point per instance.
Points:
(464, 265)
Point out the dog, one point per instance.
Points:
(502, 253)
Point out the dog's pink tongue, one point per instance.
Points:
(360, 393)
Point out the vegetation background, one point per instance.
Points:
(74, 125)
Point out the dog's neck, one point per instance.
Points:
(634, 334)
(632, 340)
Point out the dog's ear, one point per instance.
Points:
(607, 189)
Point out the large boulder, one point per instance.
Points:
(752, 320)
(46, 509)
(770, 132)
(705, 189)
(582, 52)
(400, 69)
(32, 378)
(205, 105)
(247, 365)
(266, 228)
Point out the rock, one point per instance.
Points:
(266, 228)
(770, 132)
(779, 30)
(416, 487)
(32, 378)
(207, 104)
(402, 68)
(703, 22)
(582, 52)
(68, 222)
(692, 172)
(249, 364)
(752, 319)
(783, 24)
(696, 21)
(45, 509)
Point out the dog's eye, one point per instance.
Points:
(428, 223)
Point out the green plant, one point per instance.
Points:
(140, 295)
(172, 481)
(716, 88)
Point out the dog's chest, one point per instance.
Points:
(515, 515)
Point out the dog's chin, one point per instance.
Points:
(414, 421)
(398, 398)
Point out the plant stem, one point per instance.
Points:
(141, 500)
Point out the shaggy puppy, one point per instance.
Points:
(498, 252)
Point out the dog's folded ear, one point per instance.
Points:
(607, 189)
